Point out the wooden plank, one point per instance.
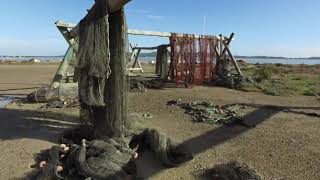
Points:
(148, 33)
(67, 58)
(64, 24)
(136, 61)
(62, 68)
(133, 55)
(131, 31)
(233, 59)
(227, 44)
(135, 69)
(148, 48)
(140, 66)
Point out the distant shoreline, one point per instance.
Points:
(154, 54)
(274, 57)
(144, 57)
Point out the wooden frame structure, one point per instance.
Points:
(221, 49)
(135, 52)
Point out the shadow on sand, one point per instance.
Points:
(47, 126)
(218, 135)
(17, 124)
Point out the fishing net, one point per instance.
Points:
(232, 171)
(103, 150)
(94, 55)
(212, 113)
(102, 69)
(110, 158)
(192, 59)
(93, 52)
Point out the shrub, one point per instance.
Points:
(265, 73)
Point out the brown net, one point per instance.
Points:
(192, 60)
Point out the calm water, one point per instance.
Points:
(283, 61)
(264, 61)
(5, 101)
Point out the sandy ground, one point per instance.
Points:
(281, 146)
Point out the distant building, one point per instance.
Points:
(34, 60)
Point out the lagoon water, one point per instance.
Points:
(282, 61)
(265, 60)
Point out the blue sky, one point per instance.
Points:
(273, 27)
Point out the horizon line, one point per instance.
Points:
(244, 56)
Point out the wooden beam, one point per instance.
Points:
(115, 5)
(136, 61)
(62, 68)
(158, 34)
(64, 24)
(227, 44)
(135, 69)
(148, 48)
(232, 58)
(133, 54)
(131, 31)
(149, 33)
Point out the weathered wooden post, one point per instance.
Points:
(103, 78)
(162, 61)
(113, 121)
(69, 56)
(62, 68)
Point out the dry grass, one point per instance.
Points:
(285, 79)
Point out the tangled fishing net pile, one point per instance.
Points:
(81, 157)
(209, 112)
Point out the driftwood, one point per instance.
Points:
(64, 92)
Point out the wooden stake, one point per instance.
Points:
(233, 59)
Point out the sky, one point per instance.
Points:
(287, 28)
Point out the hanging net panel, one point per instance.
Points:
(192, 60)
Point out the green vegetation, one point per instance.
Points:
(284, 80)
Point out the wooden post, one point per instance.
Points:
(158, 61)
(62, 68)
(135, 56)
(162, 61)
(233, 59)
(164, 65)
(68, 56)
(111, 120)
(228, 43)
(133, 52)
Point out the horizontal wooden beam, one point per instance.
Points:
(65, 25)
(135, 69)
(148, 48)
(148, 33)
(133, 31)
